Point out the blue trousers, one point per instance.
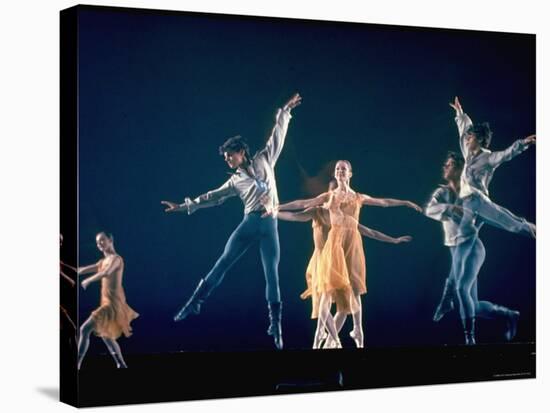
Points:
(467, 259)
(477, 205)
(253, 229)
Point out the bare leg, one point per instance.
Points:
(339, 320)
(326, 321)
(115, 351)
(320, 334)
(357, 332)
(84, 339)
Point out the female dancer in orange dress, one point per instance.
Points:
(341, 271)
(113, 317)
(321, 225)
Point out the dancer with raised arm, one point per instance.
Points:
(320, 218)
(341, 269)
(467, 257)
(253, 181)
(113, 317)
(480, 164)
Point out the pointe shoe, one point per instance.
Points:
(357, 338)
(329, 343)
(319, 342)
(443, 308)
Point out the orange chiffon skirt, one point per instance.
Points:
(114, 315)
(341, 270)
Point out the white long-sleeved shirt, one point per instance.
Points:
(440, 208)
(478, 170)
(256, 186)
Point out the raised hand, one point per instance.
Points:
(404, 238)
(293, 102)
(457, 106)
(530, 140)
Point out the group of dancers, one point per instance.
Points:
(336, 273)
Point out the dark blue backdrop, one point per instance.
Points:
(158, 93)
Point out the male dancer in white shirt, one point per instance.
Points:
(254, 182)
(467, 257)
(480, 164)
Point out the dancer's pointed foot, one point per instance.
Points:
(469, 339)
(511, 325)
(357, 336)
(275, 328)
(469, 324)
(532, 230)
(188, 309)
(443, 308)
(329, 343)
(193, 305)
(318, 342)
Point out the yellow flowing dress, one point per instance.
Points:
(341, 271)
(321, 228)
(113, 317)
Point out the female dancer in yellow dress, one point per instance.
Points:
(341, 270)
(321, 225)
(113, 317)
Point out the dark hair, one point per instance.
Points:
(482, 132)
(332, 183)
(458, 159)
(235, 144)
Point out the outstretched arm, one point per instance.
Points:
(211, 198)
(112, 267)
(463, 123)
(276, 140)
(440, 208)
(88, 269)
(388, 202)
(305, 203)
(68, 266)
(303, 216)
(498, 157)
(67, 278)
(380, 236)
